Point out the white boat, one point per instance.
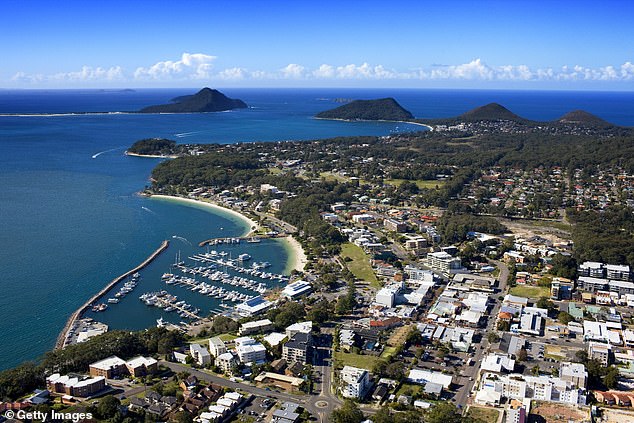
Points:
(160, 322)
(113, 300)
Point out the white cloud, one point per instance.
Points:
(88, 73)
(232, 74)
(293, 71)
(190, 66)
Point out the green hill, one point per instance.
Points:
(491, 111)
(381, 109)
(205, 100)
(581, 117)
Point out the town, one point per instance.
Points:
(461, 292)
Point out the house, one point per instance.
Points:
(298, 349)
(109, 368)
(428, 376)
(355, 382)
(217, 346)
(200, 354)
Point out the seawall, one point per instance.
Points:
(61, 339)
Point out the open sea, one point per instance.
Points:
(71, 219)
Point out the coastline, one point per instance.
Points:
(151, 156)
(431, 128)
(252, 226)
(297, 256)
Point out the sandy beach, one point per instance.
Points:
(251, 224)
(297, 257)
(152, 156)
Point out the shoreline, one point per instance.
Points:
(252, 225)
(297, 256)
(431, 128)
(150, 156)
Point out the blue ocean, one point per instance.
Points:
(71, 219)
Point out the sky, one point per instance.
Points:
(505, 44)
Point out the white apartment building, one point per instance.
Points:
(356, 382)
(217, 346)
(249, 350)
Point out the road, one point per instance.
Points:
(317, 405)
(462, 396)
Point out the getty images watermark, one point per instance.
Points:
(47, 416)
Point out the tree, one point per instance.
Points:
(581, 356)
(108, 407)
(349, 412)
(493, 337)
(443, 412)
(183, 417)
(611, 379)
(504, 325)
(565, 317)
(535, 370)
(522, 355)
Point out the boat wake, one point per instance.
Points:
(187, 134)
(94, 156)
(147, 210)
(182, 239)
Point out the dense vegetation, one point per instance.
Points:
(153, 147)
(205, 100)
(606, 236)
(381, 109)
(76, 358)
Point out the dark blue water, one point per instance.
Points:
(70, 219)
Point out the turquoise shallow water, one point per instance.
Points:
(69, 223)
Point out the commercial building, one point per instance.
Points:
(296, 289)
(429, 376)
(254, 306)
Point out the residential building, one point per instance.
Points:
(601, 352)
(386, 297)
(142, 366)
(618, 272)
(443, 262)
(575, 373)
(395, 225)
(561, 289)
(200, 354)
(531, 324)
(110, 367)
(538, 388)
(299, 327)
(298, 349)
(355, 382)
(217, 346)
(592, 269)
(416, 275)
(75, 385)
(225, 361)
(249, 350)
(257, 326)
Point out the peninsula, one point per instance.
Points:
(381, 109)
(205, 100)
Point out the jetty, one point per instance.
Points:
(238, 239)
(61, 339)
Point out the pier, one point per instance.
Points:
(238, 239)
(61, 339)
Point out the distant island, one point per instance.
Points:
(494, 112)
(381, 109)
(205, 100)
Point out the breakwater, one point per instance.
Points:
(61, 339)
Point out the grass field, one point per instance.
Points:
(419, 183)
(483, 414)
(409, 389)
(359, 264)
(388, 352)
(530, 291)
(355, 360)
(227, 337)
